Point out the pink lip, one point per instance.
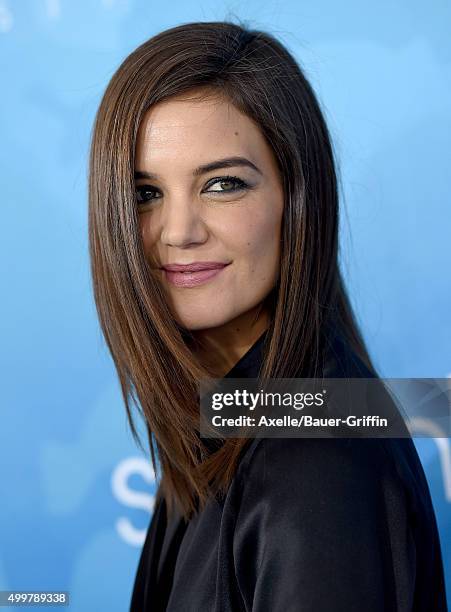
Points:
(195, 266)
(196, 273)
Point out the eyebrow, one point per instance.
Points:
(226, 162)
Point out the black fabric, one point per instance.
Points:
(307, 525)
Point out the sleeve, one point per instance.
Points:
(323, 527)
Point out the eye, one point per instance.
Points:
(148, 193)
(144, 193)
(239, 184)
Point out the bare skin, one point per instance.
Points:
(187, 216)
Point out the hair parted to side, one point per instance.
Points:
(158, 372)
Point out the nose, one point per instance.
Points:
(181, 224)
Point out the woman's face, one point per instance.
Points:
(208, 190)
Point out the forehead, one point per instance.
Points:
(193, 128)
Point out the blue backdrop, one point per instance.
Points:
(76, 492)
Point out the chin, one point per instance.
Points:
(200, 320)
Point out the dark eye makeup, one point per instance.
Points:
(144, 192)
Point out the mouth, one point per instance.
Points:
(192, 275)
(194, 266)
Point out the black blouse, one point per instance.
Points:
(307, 525)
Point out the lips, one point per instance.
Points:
(192, 275)
(195, 266)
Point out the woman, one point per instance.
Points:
(213, 239)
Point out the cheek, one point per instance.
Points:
(253, 243)
(259, 236)
(146, 233)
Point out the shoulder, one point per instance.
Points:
(317, 487)
(297, 466)
(318, 511)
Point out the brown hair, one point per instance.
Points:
(156, 368)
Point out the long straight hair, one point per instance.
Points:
(157, 370)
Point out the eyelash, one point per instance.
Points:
(241, 186)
